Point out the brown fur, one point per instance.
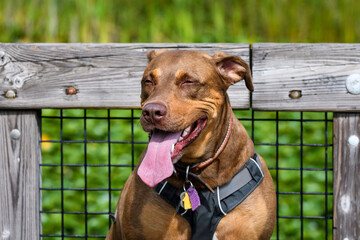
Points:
(192, 84)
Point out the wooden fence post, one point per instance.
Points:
(346, 176)
(20, 155)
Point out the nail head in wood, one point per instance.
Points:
(353, 84)
(15, 134)
(10, 94)
(295, 94)
(353, 140)
(71, 91)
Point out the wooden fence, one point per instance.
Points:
(287, 77)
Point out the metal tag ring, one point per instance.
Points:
(184, 185)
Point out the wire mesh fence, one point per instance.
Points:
(87, 155)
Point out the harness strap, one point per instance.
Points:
(239, 180)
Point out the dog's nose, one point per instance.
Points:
(154, 112)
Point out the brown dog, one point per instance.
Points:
(195, 136)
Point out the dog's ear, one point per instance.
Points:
(233, 69)
(152, 54)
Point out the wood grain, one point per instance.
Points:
(19, 175)
(105, 75)
(346, 176)
(319, 71)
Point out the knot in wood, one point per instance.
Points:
(4, 58)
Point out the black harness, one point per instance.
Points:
(214, 207)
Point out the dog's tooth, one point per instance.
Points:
(172, 148)
(180, 138)
(186, 131)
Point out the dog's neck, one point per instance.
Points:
(237, 152)
(201, 165)
(218, 169)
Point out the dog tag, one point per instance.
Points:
(182, 195)
(186, 203)
(194, 198)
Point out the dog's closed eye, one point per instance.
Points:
(188, 82)
(148, 82)
(185, 79)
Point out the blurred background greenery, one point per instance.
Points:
(234, 21)
(130, 21)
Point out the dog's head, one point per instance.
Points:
(183, 95)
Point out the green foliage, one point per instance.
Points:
(180, 21)
(90, 138)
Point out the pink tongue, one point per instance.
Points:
(157, 164)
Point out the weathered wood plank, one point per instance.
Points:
(19, 175)
(319, 71)
(346, 176)
(105, 75)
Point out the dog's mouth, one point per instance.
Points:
(165, 149)
(187, 136)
